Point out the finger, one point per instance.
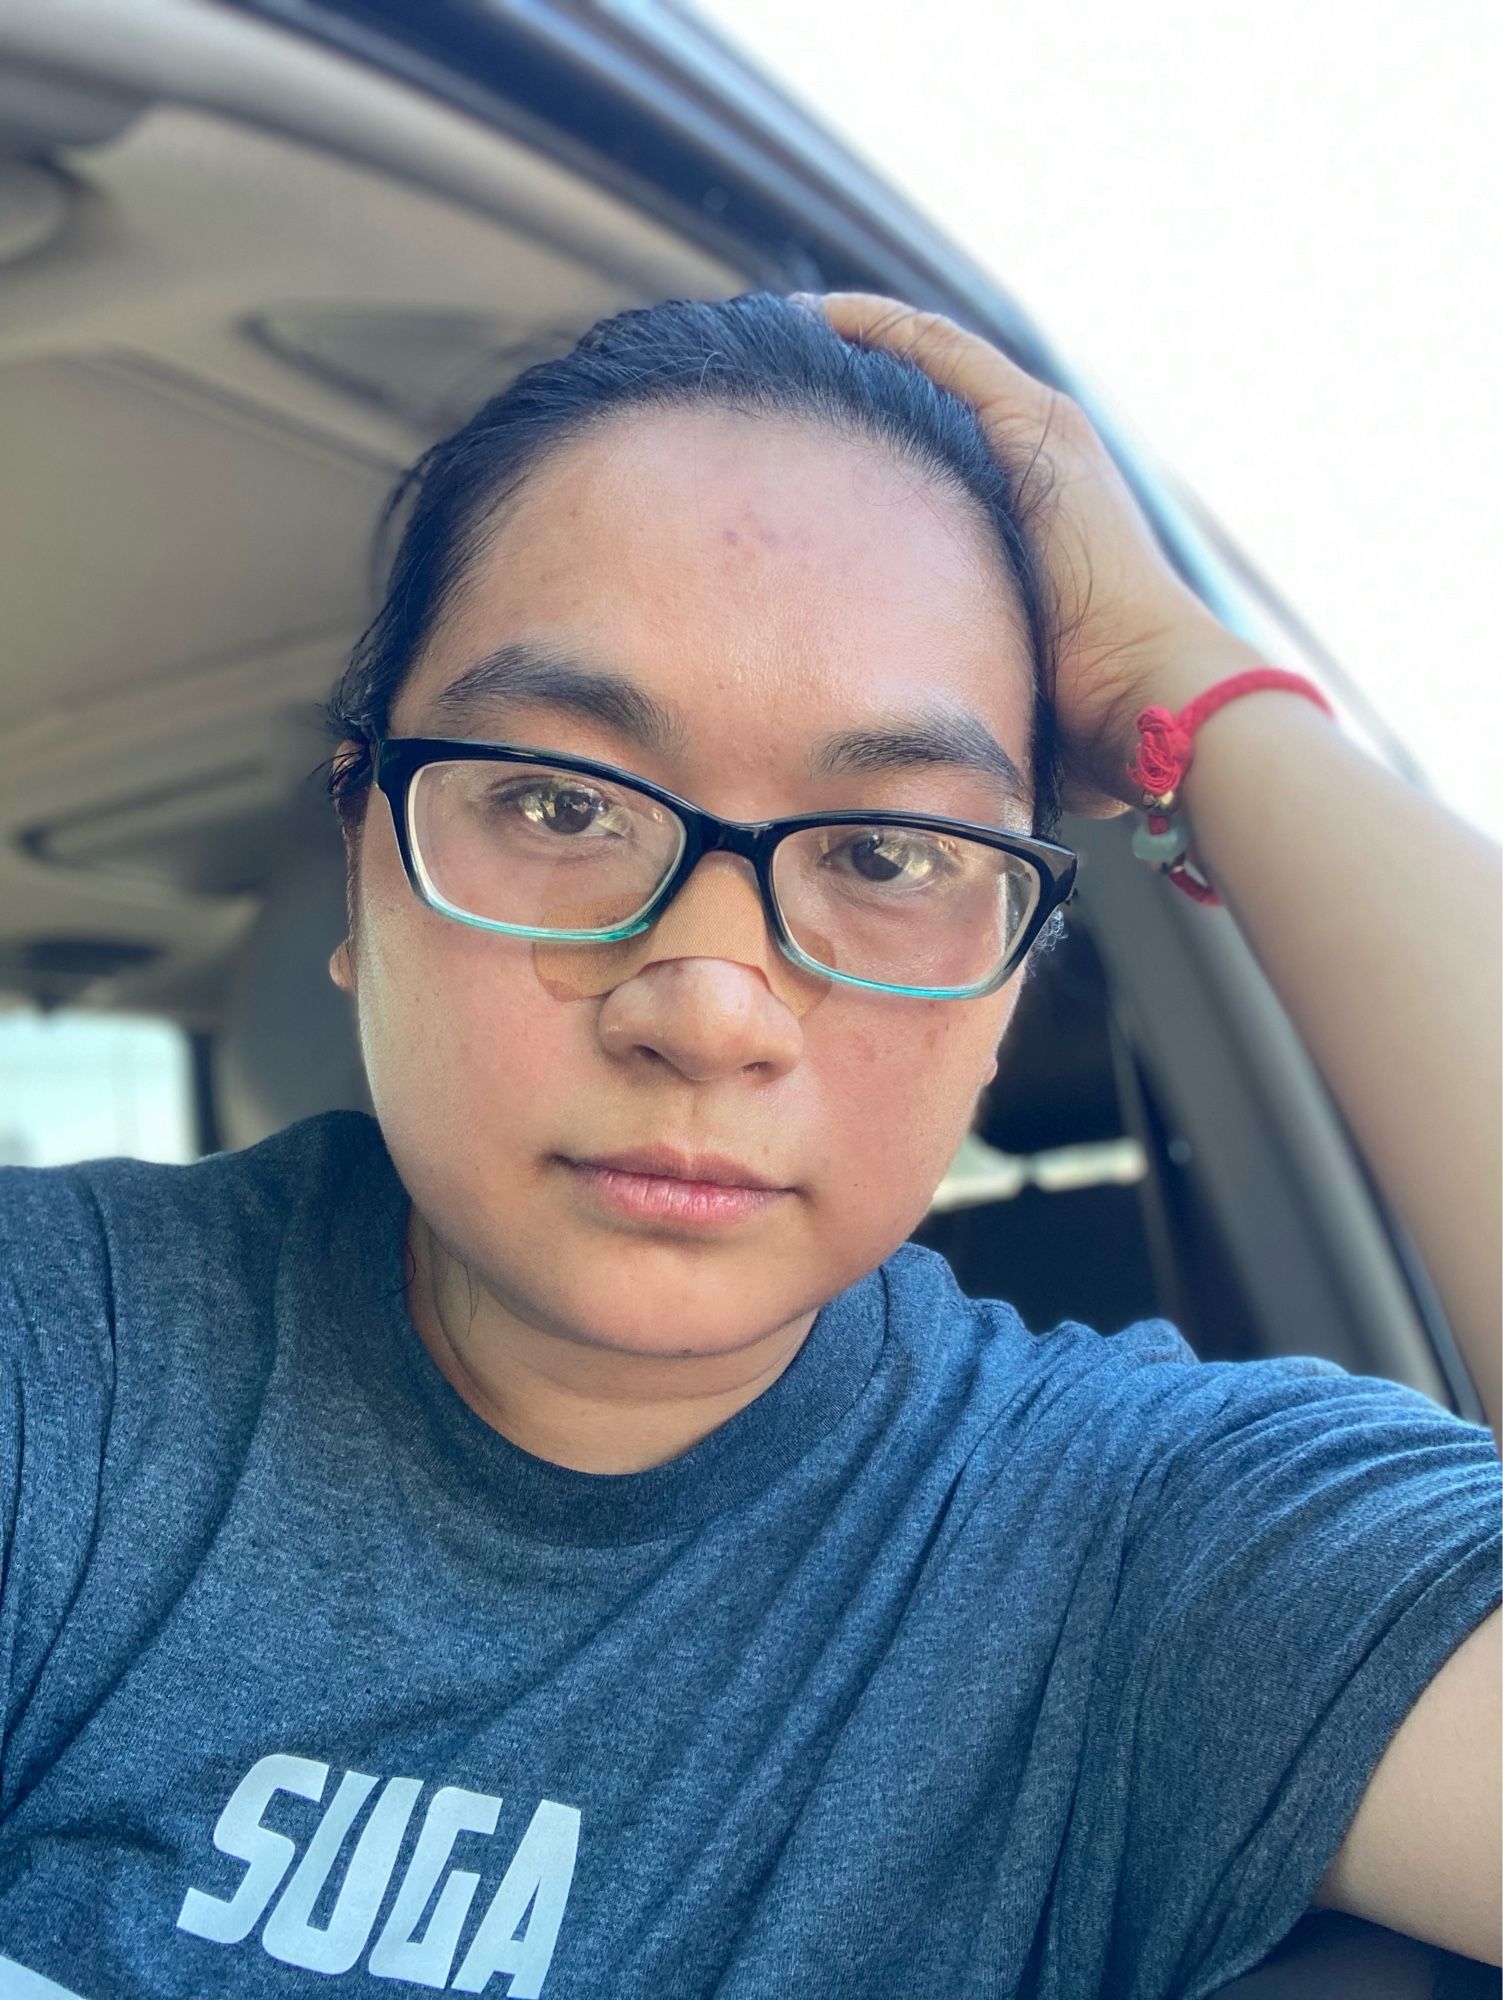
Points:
(957, 360)
(1085, 802)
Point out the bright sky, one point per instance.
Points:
(1268, 235)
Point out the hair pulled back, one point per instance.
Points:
(757, 353)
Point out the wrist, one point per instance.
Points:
(1195, 660)
(1172, 673)
(1167, 753)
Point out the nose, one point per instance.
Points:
(713, 998)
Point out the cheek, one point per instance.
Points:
(900, 1092)
(454, 1027)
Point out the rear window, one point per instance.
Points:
(78, 1086)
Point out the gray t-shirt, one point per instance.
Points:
(964, 1661)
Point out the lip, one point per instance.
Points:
(673, 1198)
(704, 1169)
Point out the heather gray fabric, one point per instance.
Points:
(965, 1661)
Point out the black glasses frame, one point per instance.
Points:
(398, 759)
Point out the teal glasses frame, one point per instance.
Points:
(398, 759)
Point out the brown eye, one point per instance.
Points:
(884, 857)
(569, 810)
(874, 858)
(560, 808)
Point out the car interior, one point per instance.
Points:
(253, 260)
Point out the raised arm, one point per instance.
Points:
(1376, 914)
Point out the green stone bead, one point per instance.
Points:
(1163, 849)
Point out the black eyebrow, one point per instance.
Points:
(539, 674)
(935, 735)
(530, 674)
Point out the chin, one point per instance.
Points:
(632, 1309)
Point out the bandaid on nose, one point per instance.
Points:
(717, 914)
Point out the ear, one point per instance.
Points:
(341, 959)
(341, 971)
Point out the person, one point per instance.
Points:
(556, 1536)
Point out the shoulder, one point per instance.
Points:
(88, 1249)
(305, 1159)
(942, 1330)
(1181, 1432)
(90, 1204)
(994, 1395)
(141, 1307)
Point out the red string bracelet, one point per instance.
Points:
(1164, 757)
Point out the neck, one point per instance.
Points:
(584, 1405)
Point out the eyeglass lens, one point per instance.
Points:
(554, 850)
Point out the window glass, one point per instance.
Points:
(78, 1086)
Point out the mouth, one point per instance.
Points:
(653, 1184)
(698, 1169)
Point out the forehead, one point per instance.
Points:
(757, 574)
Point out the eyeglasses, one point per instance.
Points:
(534, 844)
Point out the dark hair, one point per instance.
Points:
(758, 353)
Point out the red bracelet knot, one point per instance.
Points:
(1164, 757)
(1163, 752)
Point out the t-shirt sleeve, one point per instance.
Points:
(1305, 1555)
(56, 1369)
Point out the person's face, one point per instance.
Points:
(768, 584)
